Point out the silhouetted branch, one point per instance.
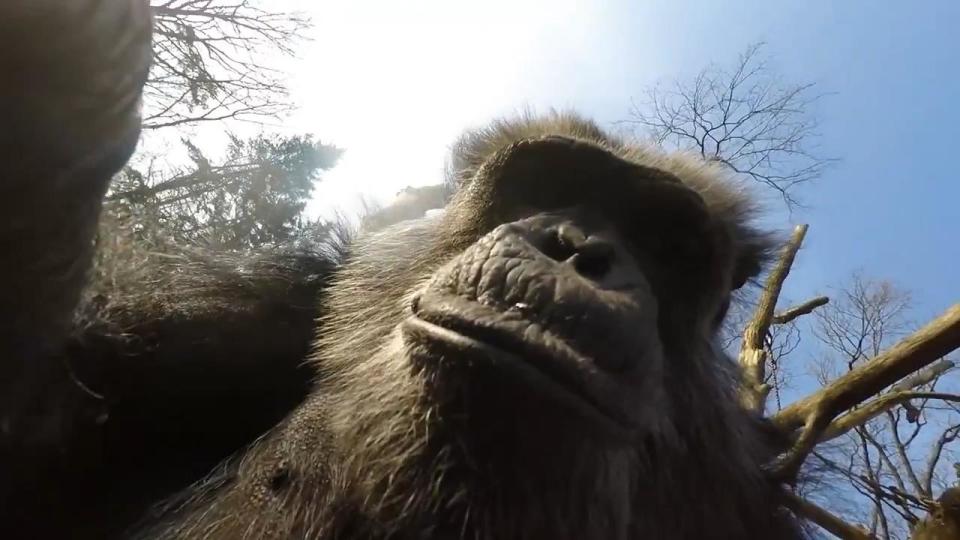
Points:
(211, 62)
(745, 119)
(826, 520)
(800, 310)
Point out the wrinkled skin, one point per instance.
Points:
(538, 361)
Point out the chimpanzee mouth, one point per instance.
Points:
(456, 327)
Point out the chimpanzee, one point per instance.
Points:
(538, 360)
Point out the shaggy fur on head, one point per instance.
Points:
(385, 447)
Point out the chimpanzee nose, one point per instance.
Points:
(592, 257)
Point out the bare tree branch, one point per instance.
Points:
(815, 412)
(871, 410)
(212, 62)
(901, 448)
(745, 119)
(935, 340)
(753, 352)
(826, 520)
(924, 376)
(799, 310)
(936, 450)
(864, 319)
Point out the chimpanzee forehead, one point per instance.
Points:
(553, 172)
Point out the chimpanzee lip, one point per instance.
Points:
(556, 370)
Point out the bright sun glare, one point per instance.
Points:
(394, 83)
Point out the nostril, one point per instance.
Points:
(594, 262)
(557, 247)
(591, 257)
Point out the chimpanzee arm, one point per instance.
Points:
(71, 75)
